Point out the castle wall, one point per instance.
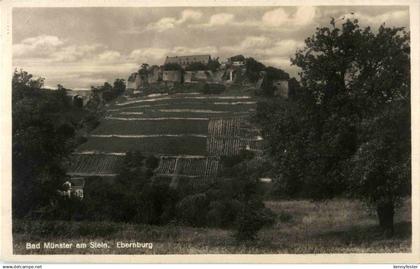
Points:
(172, 76)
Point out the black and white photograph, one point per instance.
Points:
(167, 130)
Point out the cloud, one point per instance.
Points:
(256, 42)
(270, 21)
(271, 52)
(157, 55)
(189, 15)
(304, 15)
(199, 50)
(109, 56)
(221, 19)
(398, 18)
(50, 49)
(171, 22)
(72, 65)
(38, 46)
(283, 63)
(275, 17)
(216, 20)
(73, 53)
(282, 48)
(149, 55)
(250, 43)
(162, 25)
(264, 47)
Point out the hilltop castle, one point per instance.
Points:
(198, 69)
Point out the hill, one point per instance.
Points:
(189, 132)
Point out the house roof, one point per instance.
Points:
(187, 58)
(77, 181)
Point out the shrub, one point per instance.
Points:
(192, 209)
(156, 203)
(251, 219)
(152, 162)
(223, 213)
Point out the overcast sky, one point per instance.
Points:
(80, 47)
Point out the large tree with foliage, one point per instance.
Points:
(348, 130)
(42, 131)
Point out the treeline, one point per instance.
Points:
(47, 125)
(108, 91)
(232, 201)
(256, 70)
(347, 130)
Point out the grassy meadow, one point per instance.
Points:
(145, 127)
(337, 226)
(223, 105)
(186, 145)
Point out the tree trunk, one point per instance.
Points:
(386, 217)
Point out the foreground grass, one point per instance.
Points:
(338, 226)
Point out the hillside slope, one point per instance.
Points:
(188, 131)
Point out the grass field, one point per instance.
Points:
(133, 127)
(196, 104)
(187, 145)
(148, 122)
(337, 226)
(162, 113)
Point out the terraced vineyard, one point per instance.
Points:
(94, 164)
(188, 131)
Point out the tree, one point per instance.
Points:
(214, 64)
(196, 67)
(381, 165)
(348, 130)
(172, 67)
(272, 74)
(276, 73)
(239, 58)
(144, 69)
(253, 69)
(110, 92)
(119, 86)
(42, 138)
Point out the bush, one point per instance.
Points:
(223, 213)
(156, 203)
(251, 219)
(152, 162)
(192, 209)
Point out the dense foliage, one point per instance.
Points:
(233, 201)
(212, 65)
(110, 92)
(172, 67)
(347, 131)
(47, 125)
(44, 125)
